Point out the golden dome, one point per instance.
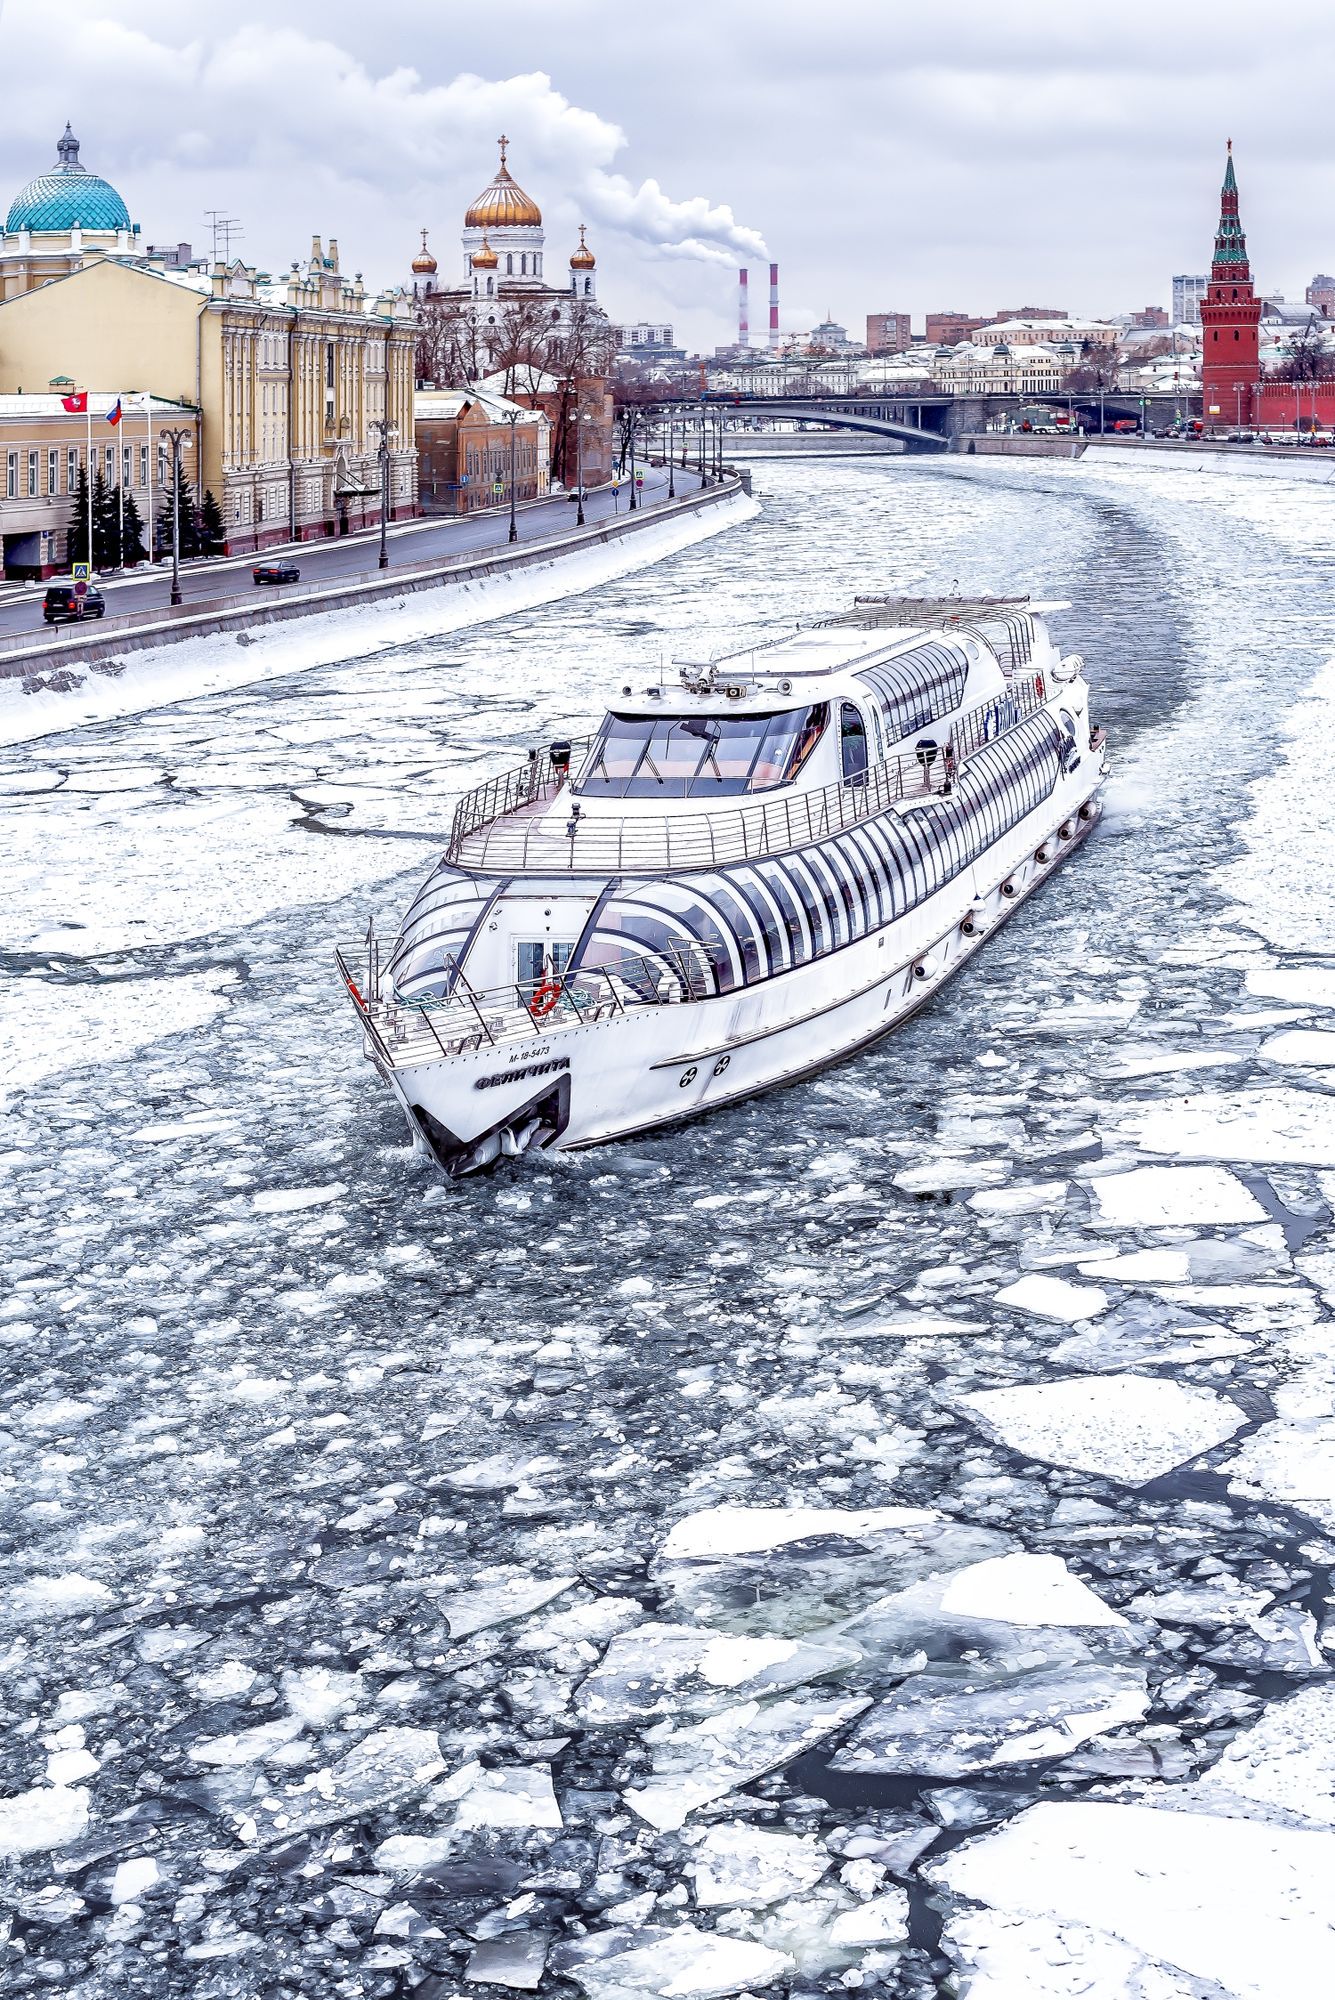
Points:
(503, 205)
(485, 259)
(424, 263)
(583, 259)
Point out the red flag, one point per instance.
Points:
(77, 404)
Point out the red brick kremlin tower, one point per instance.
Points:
(1230, 319)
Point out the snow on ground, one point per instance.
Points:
(218, 663)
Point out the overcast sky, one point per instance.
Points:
(968, 154)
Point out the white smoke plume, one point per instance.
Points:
(299, 134)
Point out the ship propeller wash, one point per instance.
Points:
(738, 880)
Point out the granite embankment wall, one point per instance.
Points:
(114, 638)
(1304, 462)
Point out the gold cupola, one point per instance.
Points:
(503, 205)
(583, 259)
(485, 258)
(424, 264)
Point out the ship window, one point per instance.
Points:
(852, 743)
(699, 756)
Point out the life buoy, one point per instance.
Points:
(1039, 689)
(545, 998)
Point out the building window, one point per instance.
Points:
(12, 476)
(127, 465)
(53, 472)
(143, 465)
(33, 462)
(509, 267)
(111, 465)
(71, 468)
(329, 365)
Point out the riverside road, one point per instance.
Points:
(412, 544)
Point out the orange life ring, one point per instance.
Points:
(545, 998)
(1039, 687)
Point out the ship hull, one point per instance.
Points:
(590, 1083)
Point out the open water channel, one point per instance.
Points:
(877, 1538)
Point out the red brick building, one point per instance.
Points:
(887, 333)
(1230, 322)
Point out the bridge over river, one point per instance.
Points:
(932, 420)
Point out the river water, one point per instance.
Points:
(727, 1562)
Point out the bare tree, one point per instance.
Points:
(448, 350)
(1306, 356)
(580, 356)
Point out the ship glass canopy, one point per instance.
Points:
(699, 756)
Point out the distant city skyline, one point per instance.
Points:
(1037, 156)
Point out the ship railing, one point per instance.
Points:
(408, 1029)
(496, 829)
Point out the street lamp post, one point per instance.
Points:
(672, 487)
(579, 463)
(179, 440)
(512, 420)
(634, 426)
(386, 431)
(703, 480)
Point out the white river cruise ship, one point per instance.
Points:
(739, 879)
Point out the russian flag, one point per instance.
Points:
(114, 415)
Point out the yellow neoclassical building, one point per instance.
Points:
(290, 376)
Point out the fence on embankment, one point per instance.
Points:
(138, 631)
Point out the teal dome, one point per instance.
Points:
(68, 197)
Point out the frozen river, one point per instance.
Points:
(876, 1536)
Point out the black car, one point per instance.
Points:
(61, 602)
(280, 572)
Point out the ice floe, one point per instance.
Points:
(733, 1531)
(678, 1964)
(1126, 1427)
(45, 1817)
(1053, 1298)
(738, 1866)
(709, 1759)
(672, 1669)
(1269, 1127)
(516, 1795)
(388, 1765)
(955, 1719)
(1245, 1905)
(1171, 1197)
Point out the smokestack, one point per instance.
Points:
(773, 305)
(743, 312)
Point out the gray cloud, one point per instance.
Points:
(967, 155)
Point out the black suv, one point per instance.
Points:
(60, 602)
(276, 572)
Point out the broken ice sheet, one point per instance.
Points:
(1140, 1332)
(1275, 1127)
(805, 1586)
(735, 1531)
(1128, 1427)
(388, 1765)
(517, 1795)
(500, 1603)
(1171, 1197)
(1045, 1297)
(738, 1866)
(1244, 1905)
(709, 1759)
(679, 1964)
(668, 1669)
(1284, 1764)
(956, 1719)
(517, 1959)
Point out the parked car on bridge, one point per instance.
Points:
(279, 572)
